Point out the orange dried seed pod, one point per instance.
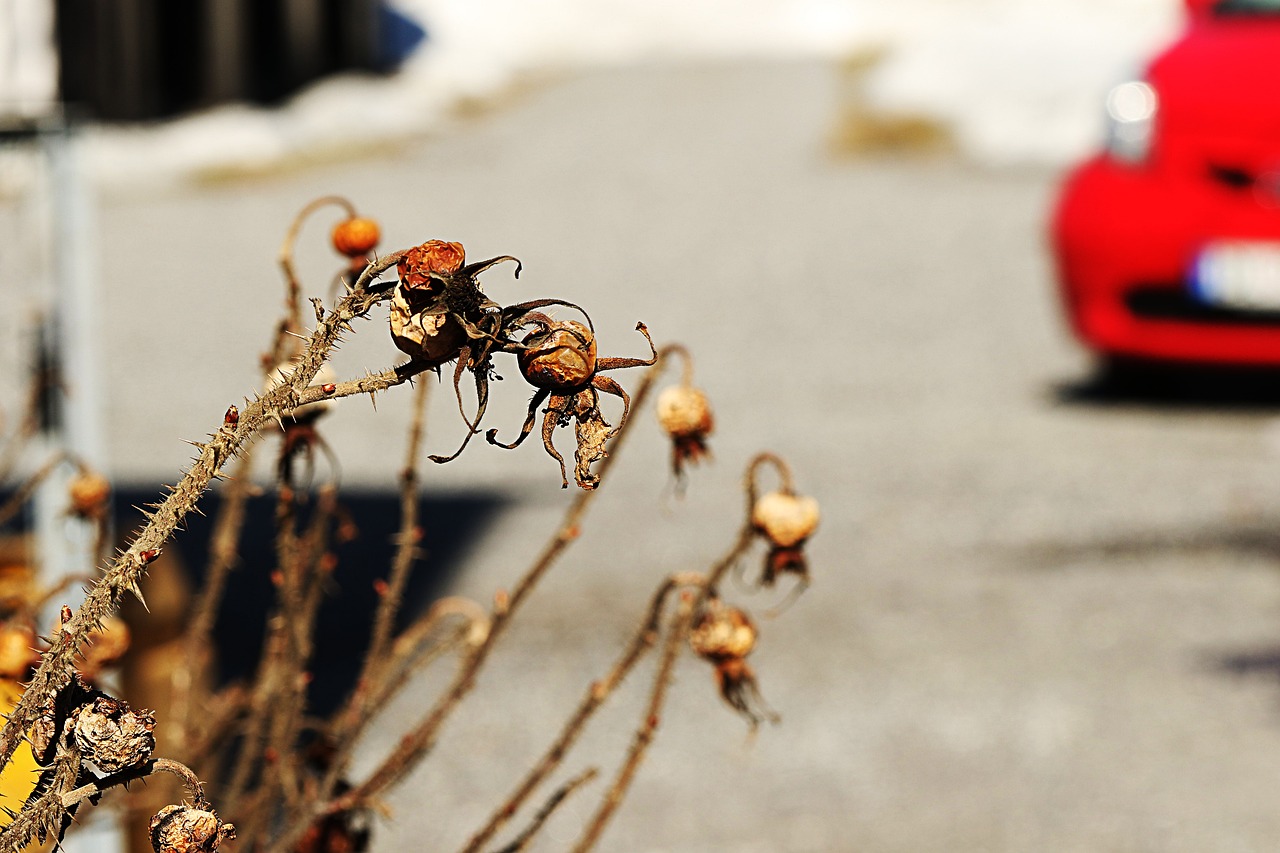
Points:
(356, 236)
(89, 492)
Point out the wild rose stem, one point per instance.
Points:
(359, 705)
(553, 802)
(293, 291)
(419, 740)
(645, 734)
(596, 695)
(125, 574)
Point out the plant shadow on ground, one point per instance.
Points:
(1178, 386)
(1256, 537)
(453, 523)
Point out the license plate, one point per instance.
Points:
(1243, 276)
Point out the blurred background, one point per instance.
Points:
(1045, 612)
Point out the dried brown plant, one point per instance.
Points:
(282, 778)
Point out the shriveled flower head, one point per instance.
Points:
(725, 636)
(785, 519)
(685, 416)
(112, 735)
(356, 237)
(722, 632)
(88, 493)
(186, 829)
(434, 256)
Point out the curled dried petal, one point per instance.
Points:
(434, 256)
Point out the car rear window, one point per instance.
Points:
(1247, 7)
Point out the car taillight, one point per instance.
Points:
(1131, 118)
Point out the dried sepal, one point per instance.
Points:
(113, 735)
(187, 829)
(356, 237)
(592, 434)
(738, 686)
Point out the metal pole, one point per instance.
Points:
(67, 544)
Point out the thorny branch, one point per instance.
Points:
(126, 572)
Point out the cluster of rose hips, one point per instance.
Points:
(439, 314)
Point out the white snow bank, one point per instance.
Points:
(1016, 80)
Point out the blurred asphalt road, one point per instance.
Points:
(1038, 622)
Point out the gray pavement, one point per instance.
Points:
(1035, 625)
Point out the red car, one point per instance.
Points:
(1168, 242)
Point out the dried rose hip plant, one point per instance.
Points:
(280, 779)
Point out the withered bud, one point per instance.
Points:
(356, 236)
(112, 735)
(434, 256)
(89, 493)
(685, 415)
(186, 829)
(106, 645)
(683, 410)
(17, 651)
(785, 519)
(722, 632)
(561, 358)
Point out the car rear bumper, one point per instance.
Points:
(1125, 239)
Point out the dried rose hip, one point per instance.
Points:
(356, 236)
